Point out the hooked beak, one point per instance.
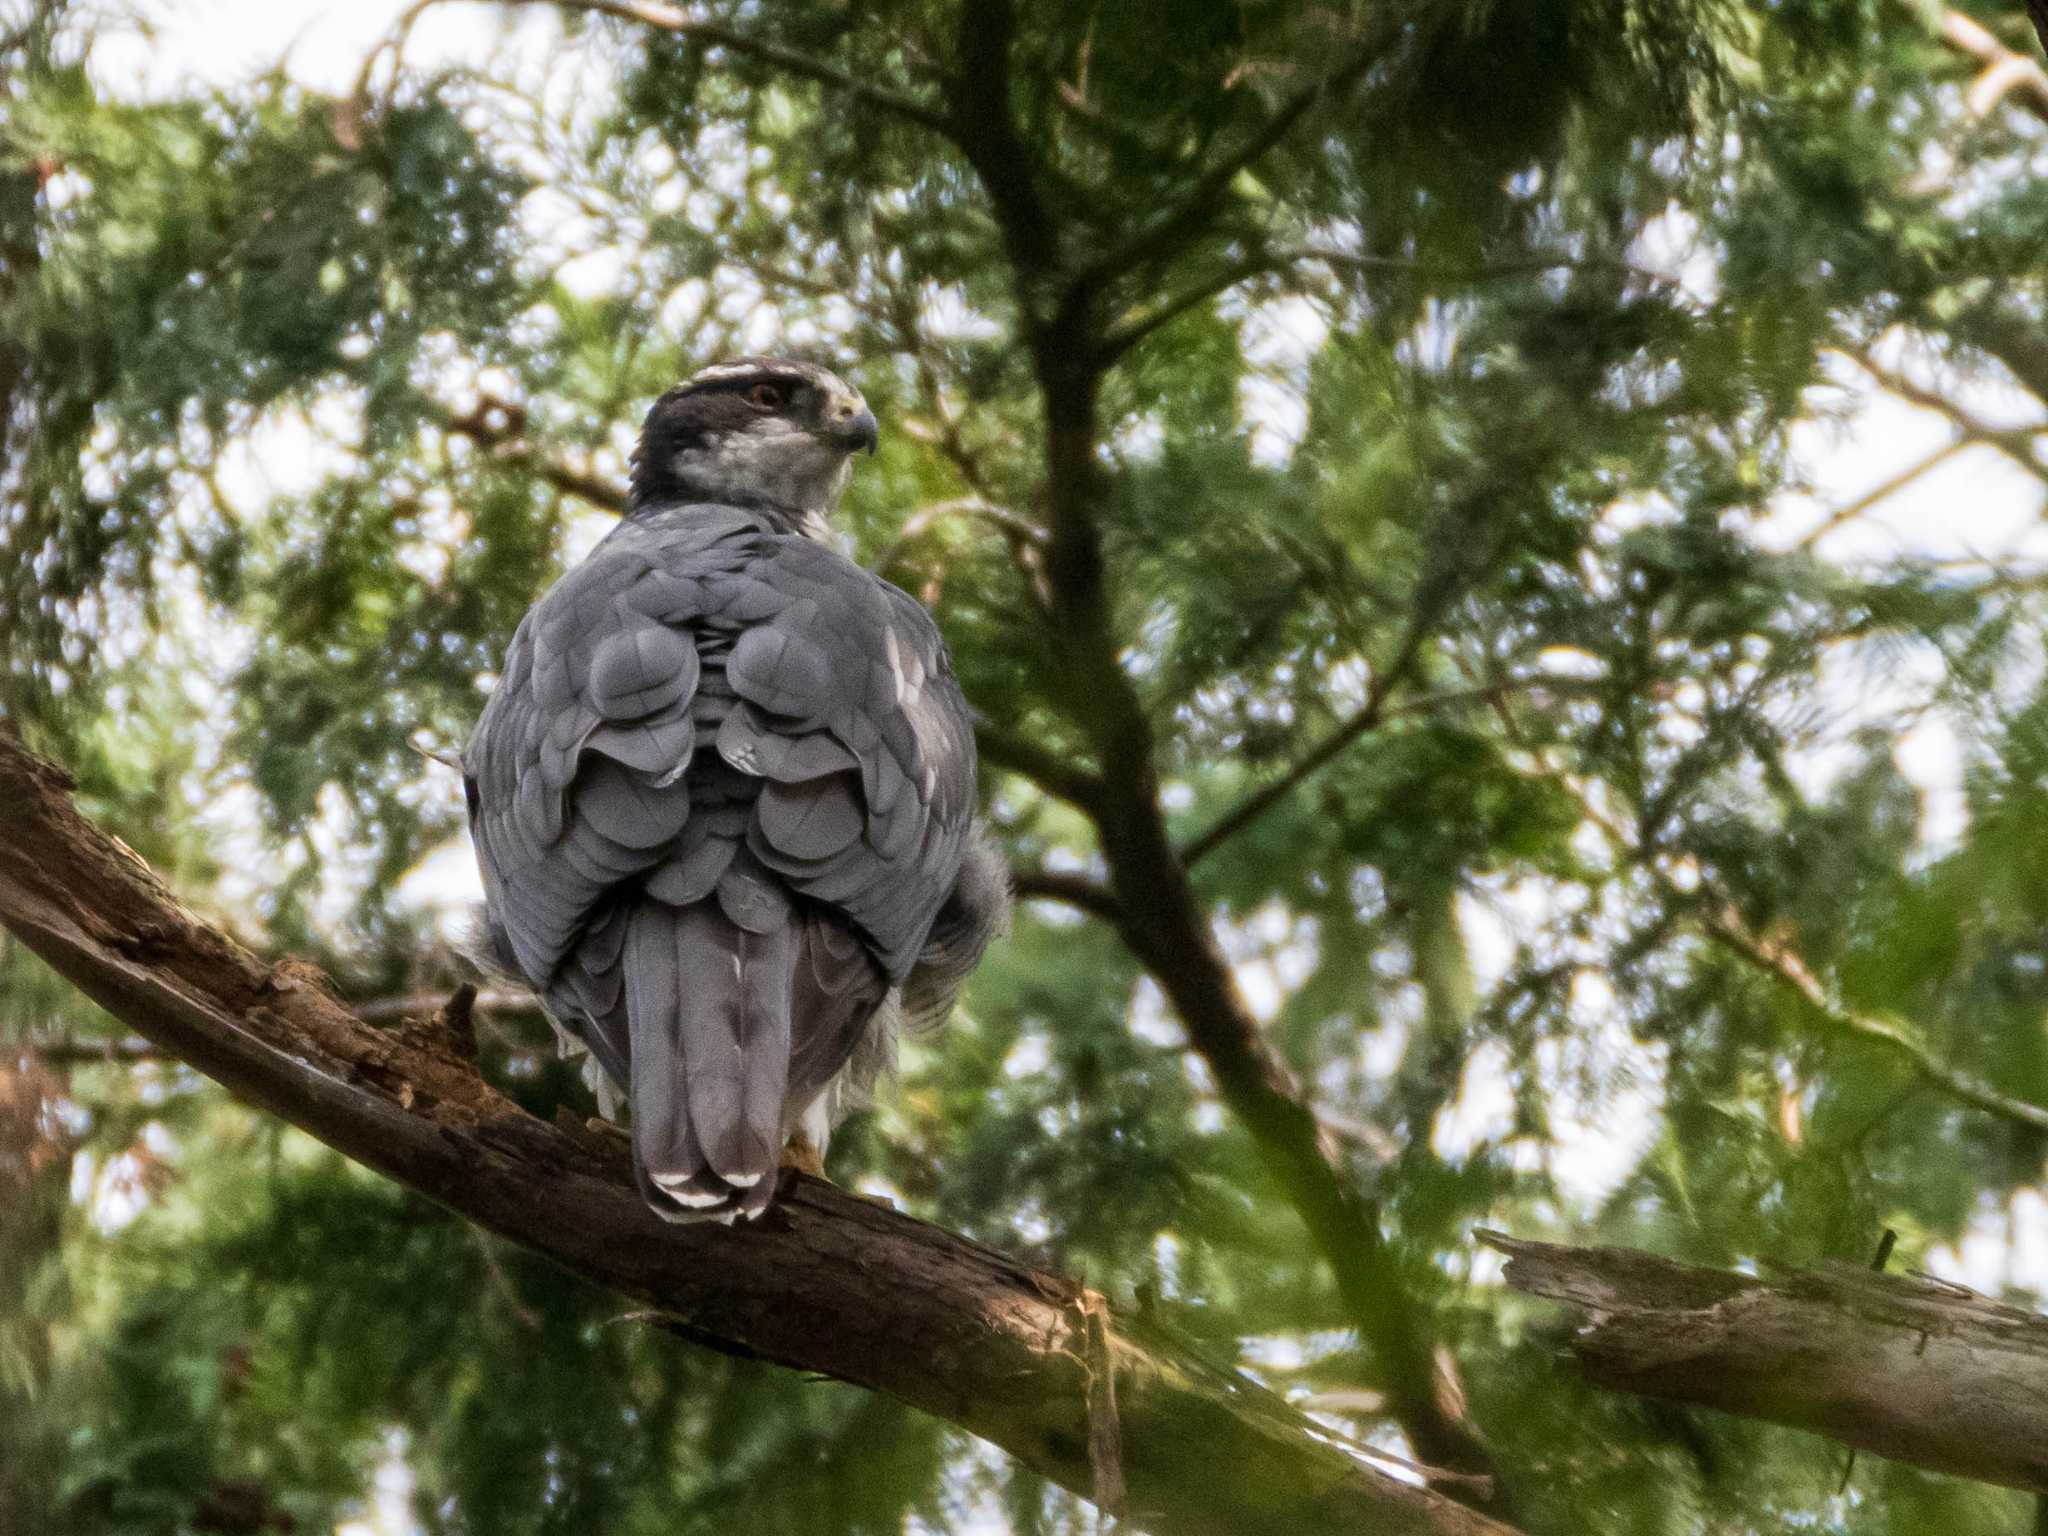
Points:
(860, 430)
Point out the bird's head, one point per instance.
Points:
(766, 433)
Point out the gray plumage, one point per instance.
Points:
(723, 796)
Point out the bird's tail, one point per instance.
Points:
(708, 1010)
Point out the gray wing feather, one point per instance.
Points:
(702, 722)
(878, 682)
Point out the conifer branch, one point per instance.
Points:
(1775, 956)
(828, 1282)
(1161, 918)
(1359, 723)
(1286, 259)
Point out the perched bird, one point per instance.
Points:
(723, 796)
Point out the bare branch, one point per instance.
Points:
(2005, 72)
(1910, 1368)
(1488, 693)
(355, 106)
(829, 1282)
(1266, 262)
(2016, 443)
(1077, 891)
(113, 1052)
(1013, 528)
(1052, 771)
(1884, 490)
(499, 428)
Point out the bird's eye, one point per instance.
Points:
(767, 397)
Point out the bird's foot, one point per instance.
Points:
(455, 1022)
(606, 1130)
(801, 1155)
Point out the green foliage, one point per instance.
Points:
(1420, 405)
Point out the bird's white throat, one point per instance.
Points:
(790, 473)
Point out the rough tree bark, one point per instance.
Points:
(35, 1172)
(828, 1282)
(1906, 1367)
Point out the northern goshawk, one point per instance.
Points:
(724, 795)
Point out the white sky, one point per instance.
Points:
(323, 46)
(1975, 507)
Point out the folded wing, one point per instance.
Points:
(719, 797)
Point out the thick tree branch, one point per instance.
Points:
(1167, 927)
(981, 121)
(1909, 1368)
(828, 1282)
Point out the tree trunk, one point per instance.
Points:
(35, 1171)
(827, 1282)
(1907, 1367)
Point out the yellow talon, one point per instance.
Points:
(803, 1157)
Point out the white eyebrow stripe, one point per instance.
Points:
(719, 373)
